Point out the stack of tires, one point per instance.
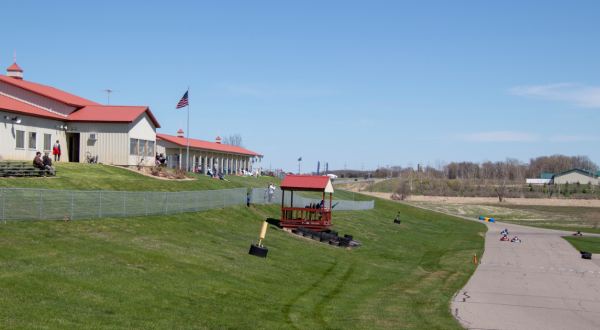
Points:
(328, 237)
(586, 255)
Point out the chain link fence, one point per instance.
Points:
(42, 204)
(261, 196)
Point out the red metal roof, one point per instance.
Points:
(306, 182)
(49, 92)
(180, 141)
(14, 67)
(11, 105)
(111, 114)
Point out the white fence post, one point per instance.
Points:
(3, 193)
(181, 210)
(147, 193)
(210, 199)
(123, 203)
(196, 201)
(71, 206)
(100, 205)
(41, 191)
(166, 202)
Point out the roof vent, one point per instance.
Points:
(180, 133)
(14, 71)
(218, 140)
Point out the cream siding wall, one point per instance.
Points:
(112, 145)
(142, 128)
(573, 177)
(35, 99)
(8, 136)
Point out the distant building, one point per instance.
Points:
(571, 176)
(420, 168)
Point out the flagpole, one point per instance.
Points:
(187, 155)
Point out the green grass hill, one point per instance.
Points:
(75, 176)
(193, 271)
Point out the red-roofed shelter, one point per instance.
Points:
(316, 217)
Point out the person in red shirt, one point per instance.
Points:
(56, 151)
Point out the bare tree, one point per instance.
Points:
(502, 179)
(234, 140)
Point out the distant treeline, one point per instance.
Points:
(512, 168)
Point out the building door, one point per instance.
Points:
(73, 147)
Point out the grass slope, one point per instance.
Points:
(193, 271)
(582, 243)
(75, 176)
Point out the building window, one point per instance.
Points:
(133, 146)
(32, 140)
(20, 139)
(150, 148)
(47, 142)
(141, 146)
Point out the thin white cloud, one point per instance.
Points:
(265, 91)
(496, 136)
(579, 95)
(574, 138)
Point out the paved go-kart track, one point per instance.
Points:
(541, 283)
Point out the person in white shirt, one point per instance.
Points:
(271, 191)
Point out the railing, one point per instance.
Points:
(43, 204)
(261, 196)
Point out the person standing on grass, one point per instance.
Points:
(56, 151)
(271, 191)
(248, 200)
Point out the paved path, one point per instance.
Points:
(541, 283)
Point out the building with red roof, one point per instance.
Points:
(205, 155)
(36, 117)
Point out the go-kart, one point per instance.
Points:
(577, 234)
(504, 239)
(504, 232)
(515, 240)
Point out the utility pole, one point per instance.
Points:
(346, 175)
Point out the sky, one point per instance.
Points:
(351, 83)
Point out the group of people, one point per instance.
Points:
(43, 163)
(160, 159)
(506, 239)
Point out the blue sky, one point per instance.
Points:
(346, 82)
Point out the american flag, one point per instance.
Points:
(183, 102)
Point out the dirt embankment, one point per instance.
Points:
(492, 200)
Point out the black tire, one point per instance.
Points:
(300, 228)
(334, 243)
(586, 255)
(334, 233)
(324, 240)
(299, 233)
(350, 237)
(316, 238)
(258, 251)
(397, 221)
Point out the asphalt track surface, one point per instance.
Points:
(540, 283)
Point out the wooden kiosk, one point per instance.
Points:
(311, 216)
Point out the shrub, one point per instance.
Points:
(180, 174)
(155, 170)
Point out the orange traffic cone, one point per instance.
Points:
(475, 261)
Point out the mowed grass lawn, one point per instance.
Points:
(571, 218)
(582, 243)
(192, 271)
(75, 176)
